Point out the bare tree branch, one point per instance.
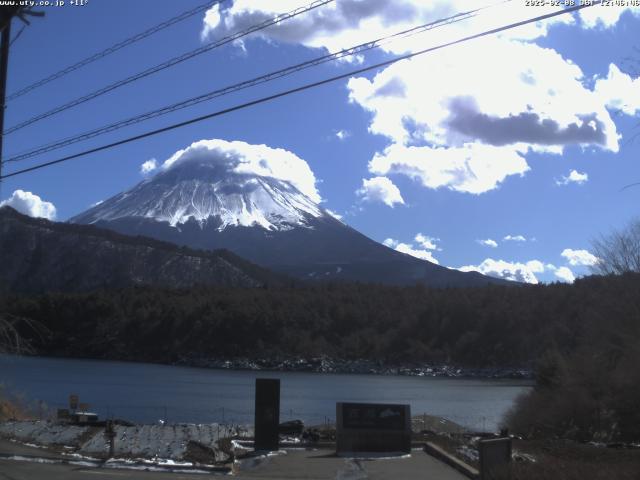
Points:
(11, 340)
(619, 251)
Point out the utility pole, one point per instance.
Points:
(6, 15)
(4, 66)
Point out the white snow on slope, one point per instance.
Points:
(209, 186)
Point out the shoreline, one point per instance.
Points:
(326, 365)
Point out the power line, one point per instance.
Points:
(170, 63)
(358, 49)
(111, 49)
(17, 36)
(307, 86)
(636, 184)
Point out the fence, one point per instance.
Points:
(164, 414)
(224, 415)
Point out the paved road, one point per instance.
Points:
(324, 465)
(294, 464)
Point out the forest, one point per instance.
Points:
(477, 327)
(583, 340)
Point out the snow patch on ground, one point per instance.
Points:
(20, 458)
(43, 433)
(165, 444)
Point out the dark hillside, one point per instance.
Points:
(37, 255)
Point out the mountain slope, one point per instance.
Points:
(38, 255)
(266, 220)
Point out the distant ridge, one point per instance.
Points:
(38, 255)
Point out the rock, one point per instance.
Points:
(293, 427)
(201, 454)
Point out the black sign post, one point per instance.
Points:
(267, 414)
(73, 401)
(372, 427)
(495, 456)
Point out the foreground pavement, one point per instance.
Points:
(323, 464)
(292, 464)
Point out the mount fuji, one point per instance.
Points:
(218, 194)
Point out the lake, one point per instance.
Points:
(146, 393)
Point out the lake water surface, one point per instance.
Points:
(146, 392)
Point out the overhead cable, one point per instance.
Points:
(302, 88)
(112, 49)
(169, 63)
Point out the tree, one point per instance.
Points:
(12, 332)
(619, 251)
(10, 339)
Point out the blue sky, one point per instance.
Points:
(505, 155)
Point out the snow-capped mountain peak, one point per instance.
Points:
(262, 204)
(209, 194)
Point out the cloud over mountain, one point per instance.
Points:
(424, 253)
(430, 243)
(149, 166)
(243, 158)
(30, 204)
(514, 271)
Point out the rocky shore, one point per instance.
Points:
(338, 366)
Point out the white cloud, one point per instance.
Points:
(211, 21)
(243, 158)
(520, 272)
(619, 91)
(416, 252)
(425, 253)
(565, 274)
(390, 242)
(149, 166)
(573, 177)
(343, 134)
(536, 266)
(380, 189)
(30, 204)
(514, 238)
(604, 16)
(470, 136)
(335, 215)
(472, 168)
(514, 271)
(488, 243)
(428, 243)
(467, 136)
(345, 23)
(579, 257)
